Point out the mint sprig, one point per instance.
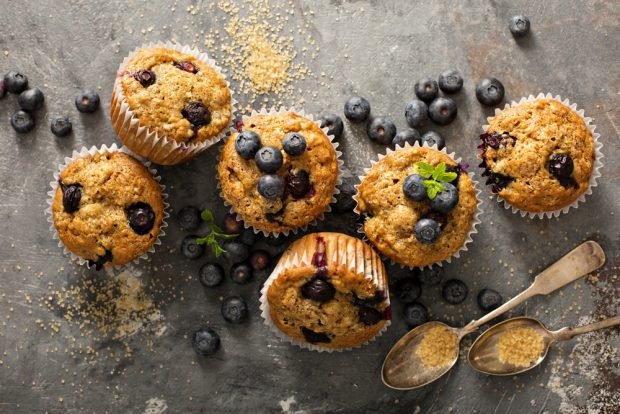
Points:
(434, 177)
(215, 233)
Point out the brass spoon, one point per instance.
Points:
(484, 355)
(404, 370)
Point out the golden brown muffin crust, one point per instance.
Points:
(354, 270)
(111, 182)
(541, 127)
(159, 105)
(392, 216)
(239, 177)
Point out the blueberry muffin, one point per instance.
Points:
(538, 155)
(172, 95)
(419, 206)
(107, 209)
(279, 173)
(329, 290)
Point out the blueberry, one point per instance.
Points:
(519, 25)
(71, 196)
(260, 260)
(450, 81)
(426, 89)
(186, 66)
(298, 183)
(141, 218)
(101, 260)
(22, 121)
(333, 123)
(87, 101)
(357, 109)
(197, 114)
(211, 274)
(2, 88)
(248, 237)
(268, 159)
(415, 314)
(408, 135)
(241, 273)
(369, 315)
(433, 138)
(431, 276)
(191, 249)
(454, 291)
(344, 199)
(445, 201)
(489, 91)
(413, 187)
(231, 225)
(561, 167)
(205, 341)
(416, 113)
(15, 82)
(31, 99)
(318, 289)
(489, 299)
(442, 111)
(314, 337)
(427, 230)
(381, 130)
(247, 144)
(61, 126)
(271, 186)
(189, 218)
(407, 290)
(235, 251)
(145, 77)
(234, 309)
(294, 144)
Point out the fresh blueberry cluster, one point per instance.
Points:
(270, 159)
(435, 186)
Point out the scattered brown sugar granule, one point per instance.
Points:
(438, 348)
(520, 346)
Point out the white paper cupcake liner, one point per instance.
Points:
(92, 151)
(365, 261)
(150, 144)
(339, 160)
(598, 156)
(476, 221)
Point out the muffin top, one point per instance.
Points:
(108, 208)
(176, 94)
(306, 181)
(330, 290)
(416, 233)
(538, 155)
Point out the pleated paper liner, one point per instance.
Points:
(151, 144)
(339, 160)
(89, 152)
(598, 156)
(476, 221)
(343, 251)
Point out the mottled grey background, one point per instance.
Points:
(64, 46)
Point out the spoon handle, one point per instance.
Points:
(580, 261)
(567, 333)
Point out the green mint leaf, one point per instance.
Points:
(225, 236)
(216, 229)
(447, 177)
(424, 169)
(202, 240)
(206, 215)
(217, 249)
(433, 188)
(439, 171)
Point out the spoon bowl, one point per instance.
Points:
(404, 370)
(484, 354)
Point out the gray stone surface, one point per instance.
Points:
(64, 46)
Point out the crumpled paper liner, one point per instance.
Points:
(92, 151)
